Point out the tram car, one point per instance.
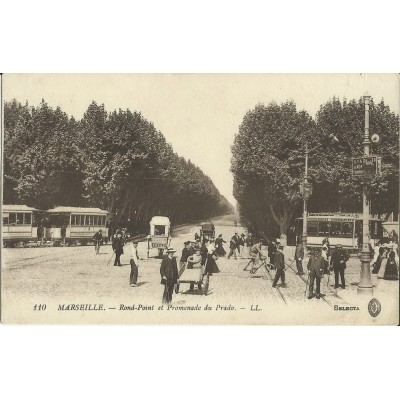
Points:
(344, 229)
(19, 225)
(75, 225)
(160, 235)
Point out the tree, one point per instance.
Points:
(267, 162)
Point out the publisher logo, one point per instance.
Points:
(374, 308)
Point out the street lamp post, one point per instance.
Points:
(365, 285)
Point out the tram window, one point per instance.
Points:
(73, 220)
(5, 219)
(374, 228)
(13, 218)
(20, 218)
(96, 220)
(323, 229)
(89, 220)
(347, 229)
(103, 220)
(28, 219)
(159, 230)
(312, 228)
(336, 229)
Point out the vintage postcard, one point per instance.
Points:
(266, 199)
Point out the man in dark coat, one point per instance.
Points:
(280, 267)
(271, 252)
(232, 246)
(338, 264)
(169, 275)
(315, 268)
(299, 256)
(118, 247)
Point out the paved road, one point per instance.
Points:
(54, 276)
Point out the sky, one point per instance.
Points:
(199, 114)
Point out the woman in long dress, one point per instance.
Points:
(391, 272)
(382, 268)
(219, 246)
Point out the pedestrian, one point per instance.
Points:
(196, 237)
(134, 261)
(382, 268)
(391, 272)
(377, 264)
(256, 255)
(169, 275)
(232, 247)
(249, 242)
(279, 260)
(40, 233)
(219, 246)
(338, 264)
(63, 233)
(212, 256)
(204, 251)
(240, 243)
(98, 240)
(186, 253)
(299, 256)
(118, 247)
(315, 267)
(327, 246)
(272, 247)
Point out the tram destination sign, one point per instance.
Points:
(366, 166)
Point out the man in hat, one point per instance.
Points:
(299, 256)
(279, 260)
(315, 269)
(118, 247)
(186, 253)
(134, 261)
(272, 250)
(233, 244)
(255, 256)
(338, 264)
(169, 275)
(98, 240)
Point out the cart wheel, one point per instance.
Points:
(177, 288)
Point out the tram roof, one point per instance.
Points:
(79, 210)
(322, 216)
(18, 207)
(158, 220)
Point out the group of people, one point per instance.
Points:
(205, 255)
(386, 260)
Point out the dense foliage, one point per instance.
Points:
(116, 161)
(268, 161)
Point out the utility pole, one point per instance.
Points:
(365, 285)
(305, 198)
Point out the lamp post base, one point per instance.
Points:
(365, 291)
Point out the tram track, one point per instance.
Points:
(44, 258)
(305, 281)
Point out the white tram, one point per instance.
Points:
(19, 225)
(73, 225)
(344, 229)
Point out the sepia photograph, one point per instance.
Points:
(241, 199)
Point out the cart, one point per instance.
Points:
(193, 273)
(159, 237)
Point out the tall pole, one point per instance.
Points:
(304, 237)
(365, 285)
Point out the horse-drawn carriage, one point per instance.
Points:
(207, 231)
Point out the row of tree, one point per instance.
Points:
(268, 161)
(117, 161)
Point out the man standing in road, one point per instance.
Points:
(118, 247)
(299, 256)
(134, 261)
(279, 260)
(232, 247)
(315, 268)
(338, 264)
(169, 275)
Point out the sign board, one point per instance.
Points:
(366, 166)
